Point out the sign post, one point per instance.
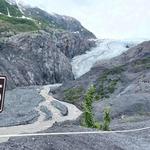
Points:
(2, 91)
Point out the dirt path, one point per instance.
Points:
(42, 124)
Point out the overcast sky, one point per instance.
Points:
(105, 18)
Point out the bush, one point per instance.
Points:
(88, 100)
(89, 120)
(73, 94)
(106, 119)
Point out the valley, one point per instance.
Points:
(61, 77)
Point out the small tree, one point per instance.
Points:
(106, 119)
(89, 120)
(88, 115)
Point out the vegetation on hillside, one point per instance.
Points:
(13, 9)
(73, 94)
(142, 63)
(16, 24)
(45, 23)
(108, 82)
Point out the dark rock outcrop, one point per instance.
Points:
(37, 51)
(72, 44)
(33, 59)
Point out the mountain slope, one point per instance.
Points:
(58, 21)
(122, 83)
(51, 39)
(7, 9)
(33, 59)
(12, 21)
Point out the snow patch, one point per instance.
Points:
(8, 13)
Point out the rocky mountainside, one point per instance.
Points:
(122, 84)
(7, 9)
(36, 47)
(58, 21)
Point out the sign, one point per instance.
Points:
(2, 91)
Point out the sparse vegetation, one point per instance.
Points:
(106, 119)
(16, 24)
(13, 9)
(107, 82)
(47, 24)
(142, 63)
(73, 94)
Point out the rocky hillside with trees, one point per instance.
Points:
(108, 103)
(120, 84)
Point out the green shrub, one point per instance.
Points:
(88, 115)
(73, 94)
(98, 125)
(106, 119)
(88, 119)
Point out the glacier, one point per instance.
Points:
(105, 49)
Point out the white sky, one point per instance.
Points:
(105, 18)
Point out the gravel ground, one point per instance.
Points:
(139, 140)
(19, 106)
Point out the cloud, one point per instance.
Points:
(106, 18)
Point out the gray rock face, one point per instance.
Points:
(131, 101)
(132, 94)
(38, 58)
(33, 59)
(72, 43)
(43, 56)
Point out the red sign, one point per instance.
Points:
(2, 91)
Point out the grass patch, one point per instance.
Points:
(16, 24)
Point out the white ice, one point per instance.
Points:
(105, 49)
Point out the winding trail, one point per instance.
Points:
(41, 124)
